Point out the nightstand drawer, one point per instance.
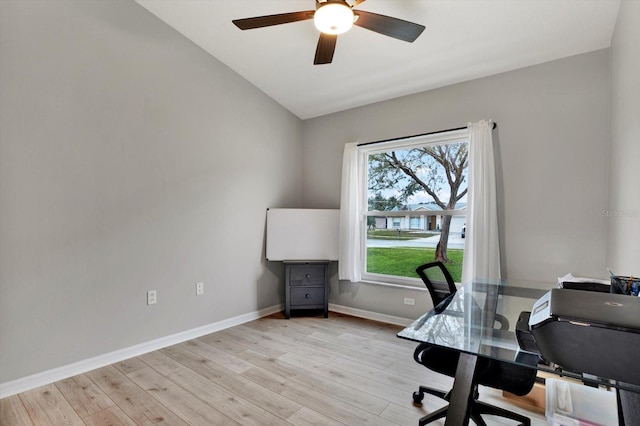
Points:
(307, 275)
(306, 297)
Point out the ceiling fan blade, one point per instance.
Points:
(325, 49)
(392, 27)
(269, 20)
(357, 2)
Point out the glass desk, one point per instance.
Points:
(478, 320)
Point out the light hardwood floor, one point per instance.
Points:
(303, 371)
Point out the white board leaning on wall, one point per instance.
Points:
(302, 234)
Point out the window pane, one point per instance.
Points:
(389, 254)
(410, 191)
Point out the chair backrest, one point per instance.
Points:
(438, 281)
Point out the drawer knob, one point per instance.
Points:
(307, 295)
(308, 275)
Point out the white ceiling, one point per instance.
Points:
(463, 40)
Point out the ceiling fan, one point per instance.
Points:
(333, 17)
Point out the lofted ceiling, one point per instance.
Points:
(463, 40)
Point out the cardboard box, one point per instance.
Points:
(533, 401)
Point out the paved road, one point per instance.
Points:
(455, 241)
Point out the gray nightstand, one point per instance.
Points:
(306, 286)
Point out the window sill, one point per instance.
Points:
(387, 284)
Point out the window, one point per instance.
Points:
(414, 222)
(416, 197)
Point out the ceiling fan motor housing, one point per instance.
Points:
(333, 17)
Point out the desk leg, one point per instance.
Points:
(462, 392)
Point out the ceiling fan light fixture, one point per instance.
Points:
(333, 17)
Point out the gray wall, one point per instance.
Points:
(624, 202)
(129, 160)
(552, 145)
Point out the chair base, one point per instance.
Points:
(478, 408)
(418, 395)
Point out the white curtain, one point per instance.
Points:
(481, 247)
(349, 254)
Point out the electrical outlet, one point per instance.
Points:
(152, 297)
(409, 301)
(199, 288)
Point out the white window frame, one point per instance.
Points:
(441, 138)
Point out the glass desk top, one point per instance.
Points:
(480, 319)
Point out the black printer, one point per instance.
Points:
(589, 332)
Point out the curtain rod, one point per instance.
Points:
(421, 134)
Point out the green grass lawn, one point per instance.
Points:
(403, 261)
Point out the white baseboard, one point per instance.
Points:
(369, 315)
(46, 377)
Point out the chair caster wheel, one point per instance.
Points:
(418, 397)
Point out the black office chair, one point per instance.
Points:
(438, 281)
(496, 374)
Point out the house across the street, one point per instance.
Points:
(421, 217)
